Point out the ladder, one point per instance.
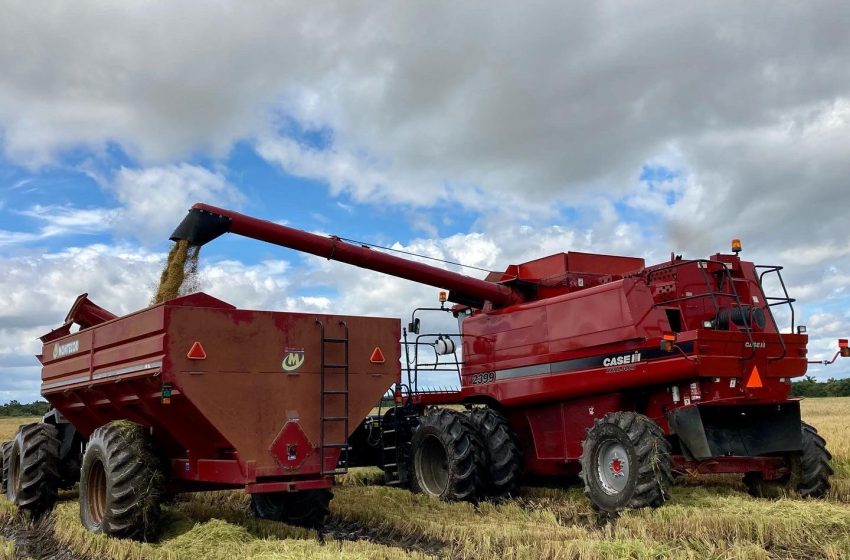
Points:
(335, 369)
(395, 445)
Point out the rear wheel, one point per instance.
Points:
(503, 461)
(626, 463)
(5, 451)
(121, 483)
(447, 456)
(809, 476)
(307, 508)
(32, 472)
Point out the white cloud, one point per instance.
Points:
(155, 199)
(518, 103)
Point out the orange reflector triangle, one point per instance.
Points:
(196, 352)
(377, 356)
(754, 382)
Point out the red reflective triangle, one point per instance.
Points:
(754, 382)
(196, 352)
(377, 356)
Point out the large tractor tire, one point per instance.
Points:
(32, 469)
(626, 463)
(307, 508)
(5, 452)
(446, 456)
(121, 483)
(503, 459)
(809, 476)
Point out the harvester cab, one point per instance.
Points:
(581, 363)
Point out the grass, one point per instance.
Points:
(9, 426)
(707, 518)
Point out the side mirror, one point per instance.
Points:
(413, 327)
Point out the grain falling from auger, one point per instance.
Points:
(180, 275)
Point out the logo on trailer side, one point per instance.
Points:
(293, 358)
(62, 350)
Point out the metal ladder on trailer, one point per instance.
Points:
(326, 369)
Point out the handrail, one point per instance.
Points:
(787, 300)
(702, 265)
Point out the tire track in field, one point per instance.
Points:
(35, 539)
(345, 530)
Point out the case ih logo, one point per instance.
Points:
(62, 350)
(292, 359)
(622, 360)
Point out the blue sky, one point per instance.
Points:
(484, 137)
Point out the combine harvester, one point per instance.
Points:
(571, 364)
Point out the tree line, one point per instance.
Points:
(14, 408)
(809, 387)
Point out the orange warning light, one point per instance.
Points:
(754, 382)
(736, 246)
(377, 356)
(196, 352)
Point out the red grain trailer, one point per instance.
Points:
(194, 394)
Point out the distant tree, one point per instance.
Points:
(810, 387)
(15, 408)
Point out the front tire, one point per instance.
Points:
(503, 460)
(121, 483)
(446, 456)
(626, 463)
(810, 471)
(31, 469)
(307, 508)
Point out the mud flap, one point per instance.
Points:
(751, 430)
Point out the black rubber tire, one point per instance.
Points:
(649, 475)
(447, 446)
(502, 455)
(5, 451)
(307, 508)
(810, 472)
(33, 469)
(121, 483)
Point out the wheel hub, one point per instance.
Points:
(612, 467)
(616, 466)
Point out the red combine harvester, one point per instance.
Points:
(194, 394)
(585, 364)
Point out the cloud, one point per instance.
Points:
(523, 101)
(155, 199)
(152, 201)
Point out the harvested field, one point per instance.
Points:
(707, 518)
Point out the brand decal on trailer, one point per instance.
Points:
(749, 344)
(62, 350)
(293, 358)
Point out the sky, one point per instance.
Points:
(483, 133)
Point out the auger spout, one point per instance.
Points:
(205, 223)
